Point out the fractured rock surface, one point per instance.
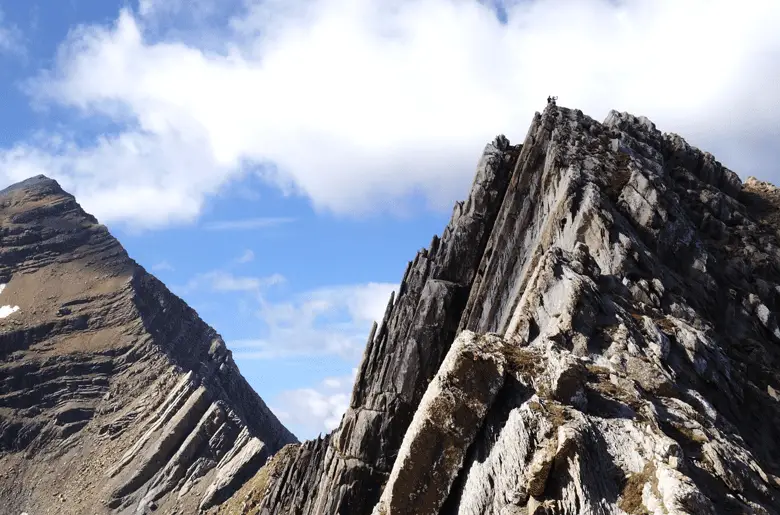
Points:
(343, 472)
(444, 425)
(114, 396)
(634, 282)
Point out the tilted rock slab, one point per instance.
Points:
(624, 241)
(115, 397)
(343, 472)
(444, 425)
(636, 282)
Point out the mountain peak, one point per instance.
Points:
(40, 183)
(596, 330)
(107, 374)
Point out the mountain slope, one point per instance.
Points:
(114, 396)
(631, 284)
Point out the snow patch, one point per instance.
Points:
(8, 310)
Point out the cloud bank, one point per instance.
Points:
(361, 105)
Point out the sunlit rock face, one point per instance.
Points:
(630, 285)
(114, 396)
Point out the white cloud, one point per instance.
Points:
(6, 311)
(315, 410)
(359, 103)
(153, 9)
(11, 40)
(162, 266)
(149, 180)
(327, 321)
(246, 224)
(223, 281)
(156, 7)
(366, 302)
(247, 257)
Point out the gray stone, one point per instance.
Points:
(402, 356)
(636, 281)
(444, 425)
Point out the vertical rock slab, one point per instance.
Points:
(446, 421)
(152, 458)
(235, 469)
(401, 357)
(614, 271)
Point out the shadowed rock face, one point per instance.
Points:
(634, 284)
(114, 396)
(343, 472)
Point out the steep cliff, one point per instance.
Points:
(612, 293)
(114, 396)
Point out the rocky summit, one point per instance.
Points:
(115, 397)
(595, 332)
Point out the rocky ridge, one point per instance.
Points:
(612, 296)
(115, 397)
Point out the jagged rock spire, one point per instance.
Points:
(633, 281)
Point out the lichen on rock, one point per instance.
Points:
(444, 425)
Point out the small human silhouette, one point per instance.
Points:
(549, 99)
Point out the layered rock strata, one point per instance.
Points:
(634, 282)
(444, 426)
(115, 397)
(343, 472)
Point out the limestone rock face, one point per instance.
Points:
(444, 425)
(634, 283)
(343, 472)
(114, 396)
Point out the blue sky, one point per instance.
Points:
(277, 162)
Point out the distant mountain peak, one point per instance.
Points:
(39, 182)
(114, 395)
